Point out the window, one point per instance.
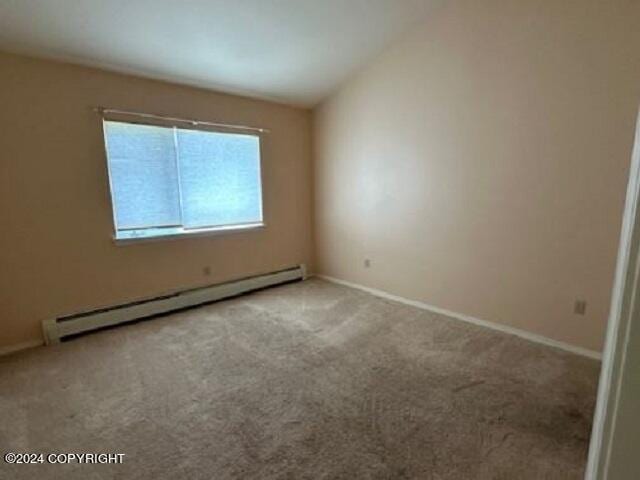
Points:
(169, 181)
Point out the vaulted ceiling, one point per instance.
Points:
(293, 51)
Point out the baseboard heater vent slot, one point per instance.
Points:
(56, 329)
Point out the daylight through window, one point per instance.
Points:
(172, 181)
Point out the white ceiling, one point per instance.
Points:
(294, 51)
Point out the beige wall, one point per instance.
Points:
(56, 252)
(481, 163)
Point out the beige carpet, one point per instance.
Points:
(304, 381)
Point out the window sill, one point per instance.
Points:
(141, 236)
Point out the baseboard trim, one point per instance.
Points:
(20, 346)
(469, 319)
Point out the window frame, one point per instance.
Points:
(179, 231)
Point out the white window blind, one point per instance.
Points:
(170, 180)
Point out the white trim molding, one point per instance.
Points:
(6, 350)
(469, 319)
(625, 302)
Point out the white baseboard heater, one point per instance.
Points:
(56, 329)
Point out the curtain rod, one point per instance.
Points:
(103, 110)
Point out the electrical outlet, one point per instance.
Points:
(367, 263)
(206, 271)
(580, 307)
